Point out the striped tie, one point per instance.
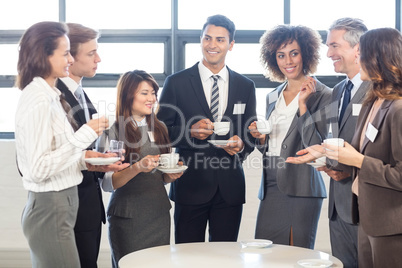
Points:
(215, 98)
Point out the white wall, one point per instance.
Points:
(13, 198)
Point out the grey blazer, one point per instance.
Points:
(299, 180)
(340, 194)
(145, 194)
(380, 176)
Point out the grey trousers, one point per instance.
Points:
(48, 223)
(343, 238)
(279, 213)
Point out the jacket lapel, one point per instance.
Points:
(311, 100)
(232, 93)
(377, 121)
(78, 113)
(271, 105)
(357, 98)
(196, 83)
(91, 107)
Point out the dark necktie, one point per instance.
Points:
(215, 98)
(346, 99)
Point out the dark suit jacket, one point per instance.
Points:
(91, 209)
(380, 177)
(299, 180)
(182, 104)
(340, 194)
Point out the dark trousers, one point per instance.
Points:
(343, 241)
(88, 243)
(223, 219)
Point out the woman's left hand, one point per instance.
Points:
(346, 155)
(307, 88)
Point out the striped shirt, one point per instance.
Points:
(49, 154)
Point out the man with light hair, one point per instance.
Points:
(343, 48)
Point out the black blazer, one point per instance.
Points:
(182, 104)
(91, 209)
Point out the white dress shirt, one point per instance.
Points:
(223, 84)
(50, 155)
(281, 118)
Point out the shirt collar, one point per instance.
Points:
(206, 73)
(356, 80)
(55, 92)
(141, 123)
(70, 83)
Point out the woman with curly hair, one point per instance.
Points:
(291, 195)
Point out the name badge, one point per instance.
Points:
(371, 132)
(272, 97)
(356, 109)
(239, 108)
(151, 136)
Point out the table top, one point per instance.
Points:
(223, 254)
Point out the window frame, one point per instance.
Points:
(174, 41)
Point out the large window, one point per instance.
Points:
(162, 37)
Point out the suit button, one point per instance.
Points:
(284, 146)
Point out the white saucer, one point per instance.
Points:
(220, 142)
(176, 169)
(256, 243)
(315, 263)
(319, 162)
(100, 161)
(316, 164)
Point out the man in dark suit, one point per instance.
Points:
(212, 190)
(343, 48)
(91, 212)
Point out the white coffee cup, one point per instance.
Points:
(264, 126)
(335, 141)
(221, 128)
(169, 160)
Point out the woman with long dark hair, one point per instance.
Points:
(138, 211)
(376, 152)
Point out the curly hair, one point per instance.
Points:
(380, 58)
(272, 40)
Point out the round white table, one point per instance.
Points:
(222, 254)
